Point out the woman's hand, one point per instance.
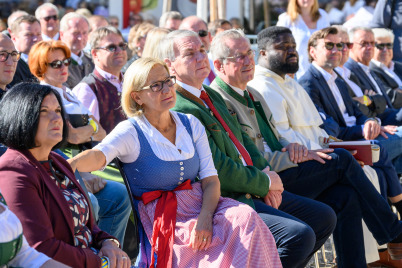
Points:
(80, 134)
(201, 236)
(117, 257)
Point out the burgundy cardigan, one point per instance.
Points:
(42, 209)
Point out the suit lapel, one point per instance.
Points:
(343, 89)
(380, 85)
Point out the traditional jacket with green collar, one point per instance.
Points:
(255, 127)
(237, 181)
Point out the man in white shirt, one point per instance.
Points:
(74, 30)
(389, 72)
(244, 173)
(100, 91)
(196, 24)
(48, 15)
(25, 32)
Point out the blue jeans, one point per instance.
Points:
(342, 184)
(393, 145)
(300, 227)
(391, 116)
(114, 209)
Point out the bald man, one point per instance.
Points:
(198, 25)
(9, 57)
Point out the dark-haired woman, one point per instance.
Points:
(39, 185)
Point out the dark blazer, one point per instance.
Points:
(316, 86)
(77, 72)
(398, 68)
(42, 209)
(237, 181)
(365, 81)
(22, 74)
(390, 85)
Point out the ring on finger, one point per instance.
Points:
(204, 239)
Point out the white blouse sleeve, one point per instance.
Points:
(122, 142)
(207, 167)
(28, 257)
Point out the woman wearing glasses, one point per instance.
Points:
(303, 18)
(167, 160)
(49, 62)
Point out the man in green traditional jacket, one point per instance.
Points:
(300, 225)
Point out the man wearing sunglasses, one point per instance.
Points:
(389, 72)
(9, 57)
(48, 15)
(360, 57)
(100, 90)
(25, 32)
(196, 24)
(74, 33)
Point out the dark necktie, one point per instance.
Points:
(204, 96)
(265, 128)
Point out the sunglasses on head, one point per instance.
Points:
(57, 64)
(202, 33)
(113, 48)
(331, 45)
(48, 18)
(348, 45)
(382, 46)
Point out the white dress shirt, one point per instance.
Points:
(77, 58)
(330, 78)
(345, 74)
(24, 57)
(84, 93)
(55, 37)
(366, 70)
(389, 71)
(302, 34)
(123, 143)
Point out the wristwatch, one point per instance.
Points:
(113, 240)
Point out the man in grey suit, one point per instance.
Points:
(74, 30)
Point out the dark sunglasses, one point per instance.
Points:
(348, 45)
(202, 33)
(330, 46)
(382, 46)
(15, 56)
(113, 48)
(48, 18)
(57, 64)
(366, 44)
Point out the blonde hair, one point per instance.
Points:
(134, 80)
(294, 10)
(151, 49)
(137, 32)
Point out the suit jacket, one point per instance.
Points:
(390, 85)
(42, 209)
(237, 181)
(365, 81)
(319, 91)
(246, 116)
(22, 74)
(398, 68)
(77, 72)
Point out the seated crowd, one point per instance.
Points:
(224, 160)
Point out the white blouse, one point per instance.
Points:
(10, 229)
(301, 32)
(123, 143)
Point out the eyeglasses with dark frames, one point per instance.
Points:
(348, 45)
(15, 56)
(202, 33)
(48, 18)
(241, 57)
(57, 64)
(158, 86)
(113, 47)
(384, 45)
(366, 44)
(331, 45)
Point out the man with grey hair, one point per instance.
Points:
(170, 20)
(389, 71)
(199, 26)
(74, 30)
(48, 15)
(25, 32)
(360, 56)
(100, 90)
(244, 174)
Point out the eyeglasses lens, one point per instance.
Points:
(202, 33)
(57, 64)
(15, 56)
(48, 18)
